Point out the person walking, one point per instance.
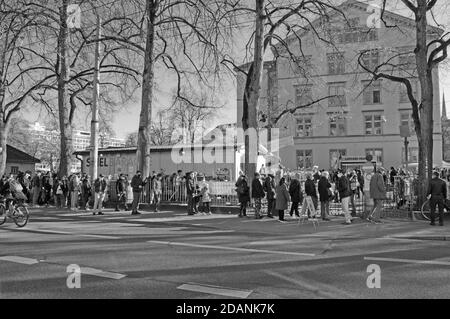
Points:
(121, 193)
(243, 192)
(437, 193)
(378, 194)
(325, 194)
(282, 198)
(137, 184)
(257, 194)
(269, 189)
(295, 191)
(157, 191)
(343, 187)
(100, 191)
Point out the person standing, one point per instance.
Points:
(437, 193)
(310, 190)
(121, 192)
(85, 192)
(100, 190)
(137, 184)
(206, 199)
(190, 191)
(269, 188)
(353, 180)
(257, 194)
(243, 192)
(343, 187)
(282, 198)
(74, 187)
(36, 185)
(157, 191)
(378, 194)
(59, 189)
(295, 191)
(325, 194)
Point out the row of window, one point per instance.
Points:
(336, 63)
(305, 158)
(373, 124)
(372, 94)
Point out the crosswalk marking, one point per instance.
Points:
(409, 261)
(263, 251)
(216, 290)
(101, 273)
(20, 260)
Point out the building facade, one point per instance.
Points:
(19, 161)
(363, 116)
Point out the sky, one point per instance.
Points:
(126, 120)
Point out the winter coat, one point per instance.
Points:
(190, 186)
(310, 188)
(206, 198)
(343, 187)
(137, 181)
(257, 189)
(243, 190)
(269, 188)
(157, 186)
(295, 191)
(323, 187)
(377, 187)
(283, 197)
(99, 186)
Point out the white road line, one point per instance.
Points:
(101, 273)
(398, 238)
(184, 218)
(216, 290)
(409, 261)
(231, 248)
(20, 260)
(97, 236)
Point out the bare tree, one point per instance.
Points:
(430, 50)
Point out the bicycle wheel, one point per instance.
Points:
(21, 215)
(2, 214)
(425, 210)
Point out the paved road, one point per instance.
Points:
(171, 255)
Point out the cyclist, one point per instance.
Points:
(11, 190)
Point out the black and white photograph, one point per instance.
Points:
(224, 155)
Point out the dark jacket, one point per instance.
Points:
(243, 190)
(437, 188)
(323, 187)
(120, 186)
(295, 190)
(99, 186)
(190, 186)
(257, 189)
(343, 187)
(269, 188)
(137, 181)
(283, 197)
(310, 188)
(377, 188)
(85, 187)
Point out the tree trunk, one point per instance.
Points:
(3, 126)
(425, 134)
(63, 97)
(144, 139)
(3, 143)
(252, 94)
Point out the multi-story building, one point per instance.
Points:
(364, 115)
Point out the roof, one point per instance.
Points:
(14, 155)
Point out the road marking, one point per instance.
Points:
(44, 231)
(231, 248)
(101, 273)
(216, 290)
(97, 236)
(20, 260)
(409, 261)
(184, 218)
(398, 238)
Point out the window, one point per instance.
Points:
(404, 93)
(337, 91)
(371, 59)
(406, 119)
(372, 124)
(302, 65)
(14, 170)
(413, 155)
(304, 159)
(336, 63)
(304, 126)
(377, 154)
(372, 92)
(303, 95)
(338, 126)
(335, 157)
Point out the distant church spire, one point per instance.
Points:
(444, 108)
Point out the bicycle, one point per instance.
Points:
(426, 211)
(19, 215)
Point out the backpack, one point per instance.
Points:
(59, 190)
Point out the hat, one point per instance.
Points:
(101, 175)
